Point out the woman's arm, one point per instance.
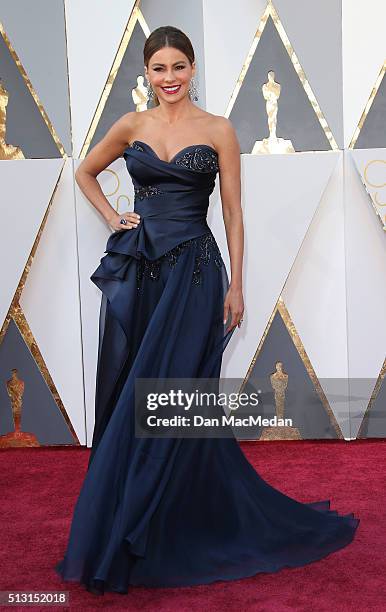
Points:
(228, 149)
(100, 157)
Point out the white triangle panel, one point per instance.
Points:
(93, 233)
(277, 214)
(26, 189)
(50, 301)
(366, 287)
(315, 296)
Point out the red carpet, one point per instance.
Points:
(39, 489)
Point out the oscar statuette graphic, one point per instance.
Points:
(139, 94)
(279, 383)
(272, 144)
(7, 151)
(15, 389)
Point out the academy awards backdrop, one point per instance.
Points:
(304, 85)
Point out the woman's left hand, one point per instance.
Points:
(233, 304)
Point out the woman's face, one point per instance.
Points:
(169, 72)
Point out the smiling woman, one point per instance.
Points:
(176, 80)
(175, 511)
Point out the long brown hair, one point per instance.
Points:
(167, 36)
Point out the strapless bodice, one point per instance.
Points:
(172, 198)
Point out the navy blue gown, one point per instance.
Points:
(175, 511)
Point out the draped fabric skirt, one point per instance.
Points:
(176, 511)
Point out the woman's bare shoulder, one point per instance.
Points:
(222, 131)
(131, 122)
(133, 117)
(222, 124)
(218, 127)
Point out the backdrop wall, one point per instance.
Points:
(313, 198)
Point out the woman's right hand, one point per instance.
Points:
(132, 219)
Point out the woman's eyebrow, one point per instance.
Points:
(159, 64)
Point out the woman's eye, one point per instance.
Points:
(160, 68)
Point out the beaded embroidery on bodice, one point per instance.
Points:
(200, 158)
(146, 191)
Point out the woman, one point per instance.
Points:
(175, 511)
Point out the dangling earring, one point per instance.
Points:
(193, 92)
(150, 92)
